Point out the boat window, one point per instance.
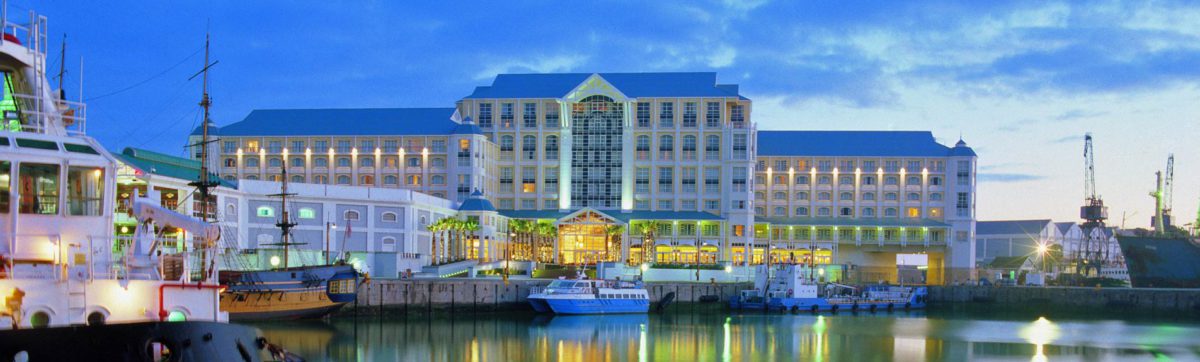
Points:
(9, 106)
(70, 147)
(559, 284)
(5, 181)
(85, 191)
(39, 144)
(581, 285)
(38, 188)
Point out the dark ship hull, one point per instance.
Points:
(288, 294)
(147, 341)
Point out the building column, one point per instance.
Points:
(564, 161)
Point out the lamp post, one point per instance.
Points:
(328, 226)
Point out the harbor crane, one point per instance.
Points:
(1094, 252)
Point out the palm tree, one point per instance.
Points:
(433, 244)
(546, 232)
(470, 228)
(649, 229)
(611, 233)
(520, 230)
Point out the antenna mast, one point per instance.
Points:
(62, 69)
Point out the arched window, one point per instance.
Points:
(935, 181)
(297, 162)
(264, 211)
(689, 147)
(252, 177)
(320, 179)
(889, 212)
(307, 213)
(937, 196)
(801, 211)
(868, 196)
(712, 147)
(506, 143)
(780, 211)
(529, 147)
(231, 210)
(914, 196)
(914, 180)
(643, 147)
(389, 243)
(350, 215)
(366, 180)
(846, 196)
(320, 162)
(389, 180)
(252, 162)
(802, 180)
(437, 162)
(230, 162)
(779, 195)
(868, 212)
(760, 195)
(846, 211)
(388, 217)
(437, 180)
(824, 211)
(551, 147)
(666, 147)
(274, 162)
(297, 179)
(824, 196)
(845, 180)
(803, 195)
(343, 180)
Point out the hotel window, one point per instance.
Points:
(914, 212)
(889, 212)
(307, 213)
(760, 180)
(824, 196)
(343, 162)
(230, 162)
(551, 116)
(846, 196)
(689, 180)
(891, 166)
(252, 146)
(739, 204)
(936, 196)
(366, 162)
(823, 212)
(801, 211)
(643, 114)
(389, 180)
(890, 196)
(935, 212)
(963, 205)
(252, 177)
(438, 180)
(529, 148)
(779, 180)
(891, 180)
(869, 166)
(229, 147)
(739, 146)
(961, 236)
(642, 180)
(320, 179)
(549, 204)
(666, 179)
(689, 114)
(802, 180)
(528, 179)
(913, 196)
(689, 148)
(391, 146)
(643, 147)
(712, 114)
(868, 196)
(914, 166)
(437, 146)
(551, 147)
(739, 230)
(935, 181)
(868, 212)
(297, 161)
(913, 180)
(506, 176)
(350, 215)
(666, 115)
(712, 147)
(506, 143)
(845, 180)
(846, 165)
(825, 166)
(759, 195)
(666, 147)
(868, 180)
(366, 180)
(485, 115)
(824, 180)
(252, 161)
(846, 212)
(803, 195)
(739, 179)
(366, 146)
(760, 166)
(506, 115)
(529, 116)
(964, 172)
(274, 147)
(528, 204)
(937, 166)
(666, 205)
(779, 195)
(689, 204)
(551, 180)
(320, 161)
(780, 211)
(414, 180)
(781, 165)
(320, 145)
(264, 211)
(274, 162)
(641, 204)
(712, 205)
(737, 115)
(343, 146)
(712, 180)
(343, 180)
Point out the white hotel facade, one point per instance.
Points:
(675, 151)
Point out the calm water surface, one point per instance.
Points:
(691, 334)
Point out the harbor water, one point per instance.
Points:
(708, 333)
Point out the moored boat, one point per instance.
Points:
(791, 288)
(583, 296)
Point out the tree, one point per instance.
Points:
(611, 233)
(547, 233)
(470, 228)
(649, 229)
(520, 230)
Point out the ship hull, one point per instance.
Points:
(188, 341)
(288, 294)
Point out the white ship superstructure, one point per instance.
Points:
(60, 262)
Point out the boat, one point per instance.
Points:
(791, 288)
(288, 293)
(585, 296)
(72, 289)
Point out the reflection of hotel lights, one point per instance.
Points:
(1040, 333)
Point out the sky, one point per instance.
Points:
(1020, 82)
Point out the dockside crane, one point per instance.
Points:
(1094, 213)
(1163, 197)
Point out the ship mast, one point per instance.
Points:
(285, 223)
(204, 184)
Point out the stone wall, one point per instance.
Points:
(483, 295)
(1142, 299)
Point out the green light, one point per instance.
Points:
(176, 316)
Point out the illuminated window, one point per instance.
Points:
(307, 213)
(264, 211)
(85, 191)
(914, 212)
(38, 188)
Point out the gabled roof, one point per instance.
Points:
(848, 221)
(850, 144)
(1008, 262)
(633, 85)
(344, 122)
(1011, 227)
(155, 163)
(1064, 227)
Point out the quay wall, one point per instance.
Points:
(1141, 299)
(384, 296)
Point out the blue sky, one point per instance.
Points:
(1021, 82)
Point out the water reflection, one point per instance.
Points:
(718, 336)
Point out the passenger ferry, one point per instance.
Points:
(583, 296)
(72, 290)
(791, 288)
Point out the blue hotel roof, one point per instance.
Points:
(633, 85)
(852, 144)
(343, 122)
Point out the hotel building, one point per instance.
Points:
(674, 160)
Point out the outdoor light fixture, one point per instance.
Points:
(645, 267)
(275, 261)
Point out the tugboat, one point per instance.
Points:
(72, 290)
(583, 296)
(791, 288)
(310, 291)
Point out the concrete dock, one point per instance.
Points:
(1140, 299)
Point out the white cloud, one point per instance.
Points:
(550, 64)
(722, 57)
